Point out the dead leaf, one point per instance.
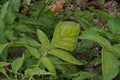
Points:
(25, 8)
(55, 8)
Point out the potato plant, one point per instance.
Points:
(37, 44)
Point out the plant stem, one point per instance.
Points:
(16, 77)
(30, 77)
(7, 77)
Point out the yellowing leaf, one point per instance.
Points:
(66, 35)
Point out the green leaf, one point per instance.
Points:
(102, 1)
(28, 20)
(110, 65)
(68, 13)
(103, 32)
(23, 27)
(36, 71)
(2, 47)
(10, 16)
(25, 41)
(4, 10)
(94, 36)
(103, 14)
(48, 21)
(64, 55)
(84, 18)
(17, 64)
(65, 35)
(2, 64)
(82, 75)
(2, 70)
(115, 50)
(9, 34)
(34, 52)
(2, 14)
(43, 39)
(15, 5)
(2, 37)
(49, 65)
(28, 1)
(114, 25)
(36, 8)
